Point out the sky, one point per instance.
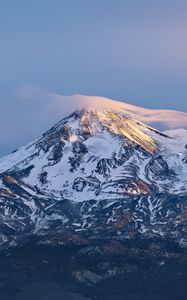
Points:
(129, 50)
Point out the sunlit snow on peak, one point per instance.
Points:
(160, 119)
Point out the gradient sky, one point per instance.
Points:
(129, 50)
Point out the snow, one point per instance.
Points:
(110, 133)
(102, 143)
(161, 119)
(17, 157)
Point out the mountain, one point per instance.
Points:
(97, 175)
(49, 108)
(158, 118)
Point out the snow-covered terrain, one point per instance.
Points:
(92, 163)
(84, 156)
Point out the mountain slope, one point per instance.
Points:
(96, 172)
(159, 118)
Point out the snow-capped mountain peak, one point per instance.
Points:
(161, 119)
(93, 145)
(93, 158)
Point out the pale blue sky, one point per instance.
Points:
(130, 50)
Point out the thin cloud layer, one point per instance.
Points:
(35, 110)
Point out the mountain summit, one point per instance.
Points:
(158, 118)
(96, 169)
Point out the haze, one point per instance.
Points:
(133, 51)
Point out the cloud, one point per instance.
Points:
(28, 92)
(33, 111)
(48, 107)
